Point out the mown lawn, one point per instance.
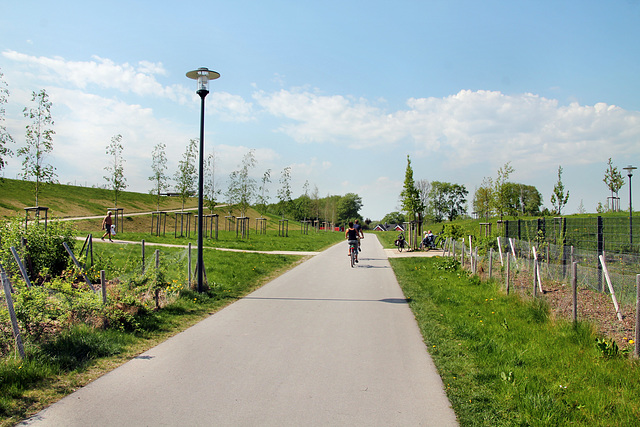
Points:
(506, 362)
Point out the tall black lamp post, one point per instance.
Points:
(202, 75)
(630, 170)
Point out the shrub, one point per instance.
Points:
(43, 251)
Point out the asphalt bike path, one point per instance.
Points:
(324, 344)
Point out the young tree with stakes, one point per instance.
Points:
(241, 185)
(211, 190)
(159, 177)
(558, 198)
(39, 142)
(284, 192)
(614, 180)
(186, 175)
(263, 197)
(500, 193)
(410, 197)
(116, 179)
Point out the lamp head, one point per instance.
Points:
(630, 170)
(202, 75)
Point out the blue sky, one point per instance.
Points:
(340, 91)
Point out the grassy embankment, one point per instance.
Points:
(66, 201)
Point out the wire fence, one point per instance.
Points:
(554, 278)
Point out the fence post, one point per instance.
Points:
(462, 255)
(189, 266)
(103, 283)
(600, 248)
(613, 294)
(12, 313)
(142, 256)
(157, 258)
(77, 264)
(535, 273)
(637, 340)
(475, 260)
(574, 286)
(508, 272)
(490, 263)
(23, 271)
(500, 250)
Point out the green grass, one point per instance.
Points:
(60, 364)
(73, 201)
(505, 362)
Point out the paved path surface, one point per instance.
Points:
(322, 345)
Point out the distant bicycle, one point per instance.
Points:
(400, 242)
(353, 249)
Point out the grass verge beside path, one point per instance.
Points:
(506, 362)
(80, 353)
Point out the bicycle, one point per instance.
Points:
(353, 249)
(400, 242)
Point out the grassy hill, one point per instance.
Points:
(66, 201)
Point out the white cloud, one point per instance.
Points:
(466, 128)
(139, 79)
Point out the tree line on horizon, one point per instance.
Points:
(499, 197)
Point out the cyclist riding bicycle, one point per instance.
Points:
(358, 228)
(351, 234)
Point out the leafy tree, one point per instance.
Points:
(348, 208)
(457, 201)
(501, 191)
(5, 137)
(482, 199)
(284, 192)
(186, 176)
(116, 179)
(409, 196)
(159, 177)
(522, 199)
(614, 180)
(393, 218)
(211, 190)
(423, 186)
(39, 142)
(299, 208)
(559, 199)
(447, 200)
(241, 186)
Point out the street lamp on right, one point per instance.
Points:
(630, 170)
